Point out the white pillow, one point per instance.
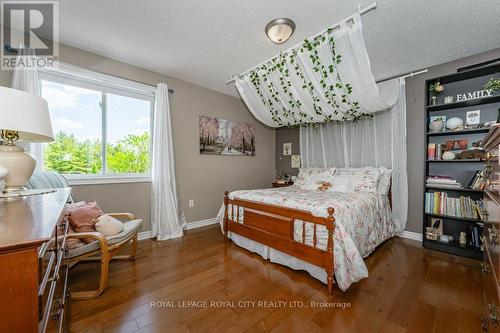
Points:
(308, 177)
(341, 184)
(108, 226)
(362, 179)
(384, 182)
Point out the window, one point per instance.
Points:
(100, 132)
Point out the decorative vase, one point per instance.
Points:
(454, 123)
(434, 100)
(436, 126)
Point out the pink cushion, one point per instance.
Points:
(73, 243)
(84, 217)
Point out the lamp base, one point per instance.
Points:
(20, 166)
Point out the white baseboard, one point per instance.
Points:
(144, 235)
(201, 223)
(189, 226)
(410, 235)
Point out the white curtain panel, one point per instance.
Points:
(296, 89)
(167, 217)
(26, 79)
(373, 141)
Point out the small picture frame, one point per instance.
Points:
(448, 99)
(437, 224)
(287, 148)
(295, 161)
(472, 119)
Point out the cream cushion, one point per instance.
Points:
(341, 184)
(364, 179)
(108, 225)
(129, 229)
(309, 177)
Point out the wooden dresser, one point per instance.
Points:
(33, 281)
(491, 231)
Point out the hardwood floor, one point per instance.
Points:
(410, 289)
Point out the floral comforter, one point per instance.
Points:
(362, 221)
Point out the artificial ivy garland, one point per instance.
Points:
(291, 109)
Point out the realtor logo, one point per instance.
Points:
(29, 29)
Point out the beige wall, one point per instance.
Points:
(203, 178)
(284, 162)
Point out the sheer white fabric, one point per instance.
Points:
(26, 79)
(376, 141)
(354, 69)
(167, 217)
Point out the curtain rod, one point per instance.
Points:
(361, 11)
(170, 90)
(404, 76)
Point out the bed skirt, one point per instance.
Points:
(279, 257)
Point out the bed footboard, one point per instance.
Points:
(273, 226)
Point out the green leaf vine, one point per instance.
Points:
(333, 88)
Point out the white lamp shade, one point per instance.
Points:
(25, 113)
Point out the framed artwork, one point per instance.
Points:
(287, 148)
(472, 119)
(295, 161)
(226, 137)
(437, 118)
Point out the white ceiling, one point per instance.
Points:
(207, 41)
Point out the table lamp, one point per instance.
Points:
(24, 117)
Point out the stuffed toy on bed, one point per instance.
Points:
(323, 186)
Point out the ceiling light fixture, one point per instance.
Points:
(279, 30)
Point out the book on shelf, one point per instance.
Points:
(438, 181)
(431, 151)
(439, 203)
(439, 151)
(472, 234)
(435, 151)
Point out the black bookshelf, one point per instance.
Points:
(468, 131)
(460, 169)
(456, 161)
(455, 218)
(442, 189)
(461, 104)
(456, 248)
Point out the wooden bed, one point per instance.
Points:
(274, 226)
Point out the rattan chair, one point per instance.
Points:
(103, 249)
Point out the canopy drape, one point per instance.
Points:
(373, 141)
(325, 78)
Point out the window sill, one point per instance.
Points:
(72, 180)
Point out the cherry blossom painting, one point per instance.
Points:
(226, 137)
